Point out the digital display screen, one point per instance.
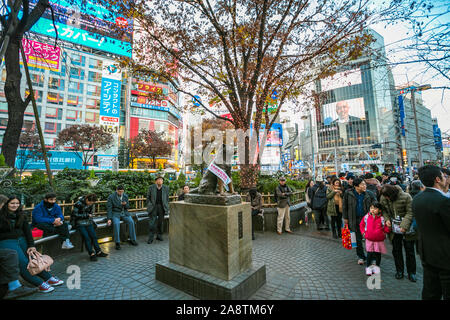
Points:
(343, 111)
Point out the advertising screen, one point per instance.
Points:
(58, 160)
(343, 111)
(41, 55)
(342, 79)
(274, 136)
(88, 24)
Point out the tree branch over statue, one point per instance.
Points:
(237, 53)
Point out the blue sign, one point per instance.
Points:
(110, 97)
(197, 101)
(437, 138)
(58, 161)
(150, 106)
(82, 37)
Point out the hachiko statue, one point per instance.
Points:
(211, 182)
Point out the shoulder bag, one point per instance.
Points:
(38, 263)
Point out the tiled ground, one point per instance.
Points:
(305, 265)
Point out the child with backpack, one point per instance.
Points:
(374, 229)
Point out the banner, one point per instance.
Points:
(220, 174)
(41, 55)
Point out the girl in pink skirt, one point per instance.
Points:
(374, 229)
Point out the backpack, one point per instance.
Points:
(365, 222)
(324, 202)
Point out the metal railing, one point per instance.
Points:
(140, 203)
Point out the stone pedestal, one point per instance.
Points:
(211, 247)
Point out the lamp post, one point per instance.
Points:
(413, 89)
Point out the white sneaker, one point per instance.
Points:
(369, 271)
(67, 245)
(376, 269)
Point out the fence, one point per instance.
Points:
(140, 203)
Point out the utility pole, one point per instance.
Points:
(36, 116)
(312, 144)
(413, 103)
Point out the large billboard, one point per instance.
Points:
(58, 160)
(343, 111)
(88, 24)
(41, 55)
(341, 80)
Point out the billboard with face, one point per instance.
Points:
(343, 111)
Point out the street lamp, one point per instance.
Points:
(413, 89)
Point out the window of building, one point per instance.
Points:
(3, 107)
(94, 76)
(55, 98)
(92, 117)
(73, 115)
(3, 123)
(76, 73)
(93, 90)
(95, 63)
(78, 59)
(56, 83)
(92, 103)
(73, 100)
(38, 80)
(4, 75)
(50, 127)
(53, 113)
(75, 87)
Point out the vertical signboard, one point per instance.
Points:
(401, 108)
(110, 99)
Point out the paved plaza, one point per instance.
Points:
(306, 265)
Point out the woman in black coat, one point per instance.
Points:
(81, 219)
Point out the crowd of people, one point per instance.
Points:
(413, 215)
(371, 206)
(17, 243)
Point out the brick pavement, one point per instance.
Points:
(307, 265)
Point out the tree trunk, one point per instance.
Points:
(249, 172)
(16, 104)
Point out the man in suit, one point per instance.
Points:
(117, 208)
(432, 211)
(157, 207)
(342, 110)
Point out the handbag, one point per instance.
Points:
(396, 226)
(346, 238)
(38, 263)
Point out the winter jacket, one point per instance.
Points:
(319, 200)
(81, 213)
(349, 206)
(401, 207)
(9, 229)
(331, 205)
(376, 227)
(114, 206)
(256, 202)
(41, 214)
(283, 201)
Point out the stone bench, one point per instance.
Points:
(51, 246)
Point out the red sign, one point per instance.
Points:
(227, 115)
(121, 22)
(109, 119)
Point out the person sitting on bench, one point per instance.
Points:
(48, 217)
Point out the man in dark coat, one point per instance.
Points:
(355, 206)
(432, 211)
(157, 207)
(117, 208)
(319, 204)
